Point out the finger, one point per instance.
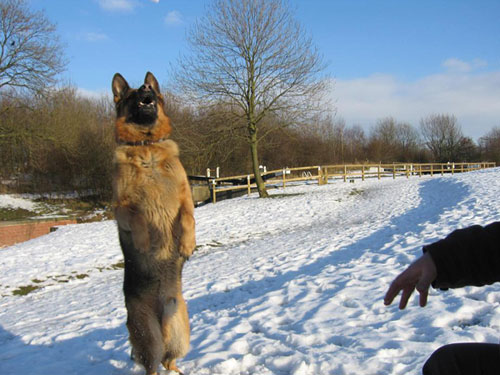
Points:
(407, 292)
(391, 293)
(423, 289)
(423, 297)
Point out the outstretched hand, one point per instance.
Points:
(419, 275)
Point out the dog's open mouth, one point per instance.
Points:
(146, 112)
(147, 102)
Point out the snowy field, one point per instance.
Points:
(289, 285)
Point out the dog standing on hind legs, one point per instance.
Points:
(155, 215)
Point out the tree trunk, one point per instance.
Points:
(261, 186)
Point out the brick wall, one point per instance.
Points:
(15, 232)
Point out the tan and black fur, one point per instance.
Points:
(155, 215)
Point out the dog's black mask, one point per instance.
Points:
(142, 106)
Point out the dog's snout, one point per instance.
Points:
(146, 88)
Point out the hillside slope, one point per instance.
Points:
(288, 285)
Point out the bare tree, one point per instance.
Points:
(355, 144)
(442, 135)
(31, 55)
(490, 145)
(339, 140)
(383, 140)
(408, 141)
(253, 56)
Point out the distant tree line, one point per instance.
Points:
(62, 141)
(207, 139)
(58, 141)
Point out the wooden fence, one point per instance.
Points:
(345, 172)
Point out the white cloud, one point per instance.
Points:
(117, 5)
(460, 66)
(94, 37)
(94, 94)
(474, 98)
(155, 1)
(173, 18)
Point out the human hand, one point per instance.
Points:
(419, 275)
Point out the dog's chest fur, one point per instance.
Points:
(146, 176)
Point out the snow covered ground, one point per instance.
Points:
(289, 285)
(15, 201)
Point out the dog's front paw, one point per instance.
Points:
(185, 251)
(184, 255)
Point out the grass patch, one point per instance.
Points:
(284, 195)
(118, 266)
(86, 209)
(356, 192)
(13, 214)
(61, 279)
(24, 290)
(214, 244)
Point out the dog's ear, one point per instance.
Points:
(119, 87)
(151, 80)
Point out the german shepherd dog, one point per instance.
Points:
(155, 215)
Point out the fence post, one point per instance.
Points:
(214, 193)
(378, 171)
(345, 173)
(248, 184)
(442, 169)
(432, 170)
(407, 167)
(284, 178)
(393, 171)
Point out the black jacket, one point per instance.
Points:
(469, 256)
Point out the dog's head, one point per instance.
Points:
(139, 112)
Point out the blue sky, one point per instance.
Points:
(402, 58)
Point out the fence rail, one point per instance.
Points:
(322, 174)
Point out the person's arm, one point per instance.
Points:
(469, 256)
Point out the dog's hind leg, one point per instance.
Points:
(175, 327)
(145, 335)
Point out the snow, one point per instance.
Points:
(289, 285)
(16, 201)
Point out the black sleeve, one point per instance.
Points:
(469, 256)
